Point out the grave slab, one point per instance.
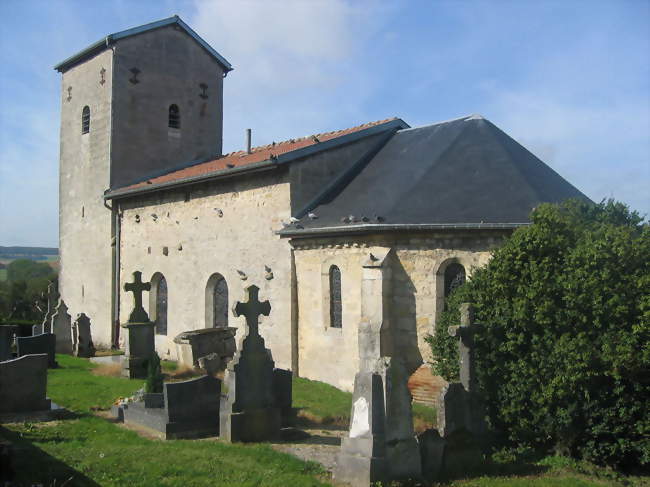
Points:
(188, 409)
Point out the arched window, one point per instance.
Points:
(454, 277)
(174, 117)
(158, 303)
(216, 302)
(336, 306)
(85, 120)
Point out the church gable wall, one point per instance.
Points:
(225, 228)
(170, 66)
(84, 221)
(417, 294)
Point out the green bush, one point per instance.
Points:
(564, 358)
(154, 382)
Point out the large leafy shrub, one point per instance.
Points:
(564, 358)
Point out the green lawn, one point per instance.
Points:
(92, 451)
(3, 274)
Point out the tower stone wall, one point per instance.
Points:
(84, 222)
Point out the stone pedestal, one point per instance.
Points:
(195, 344)
(381, 445)
(140, 346)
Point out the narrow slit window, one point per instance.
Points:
(174, 117)
(336, 305)
(85, 120)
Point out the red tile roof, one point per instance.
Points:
(258, 154)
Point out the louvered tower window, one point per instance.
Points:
(85, 120)
(174, 117)
(336, 305)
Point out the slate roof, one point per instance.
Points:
(275, 153)
(107, 41)
(464, 173)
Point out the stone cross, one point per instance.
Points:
(138, 315)
(252, 309)
(465, 334)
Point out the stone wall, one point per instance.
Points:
(84, 221)
(223, 227)
(331, 355)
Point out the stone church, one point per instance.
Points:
(144, 186)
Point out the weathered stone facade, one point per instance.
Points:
(417, 292)
(224, 228)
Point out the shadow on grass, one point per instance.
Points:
(31, 465)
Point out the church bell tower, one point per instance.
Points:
(135, 104)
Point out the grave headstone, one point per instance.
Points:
(52, 301)
(23, 384)
(45, 343)
(188, 409)
(381, 445)
(37, 330)
(62, 328)
(248, 410)
(6, 336)
(140, 343)
(82, 339)
(461, 425)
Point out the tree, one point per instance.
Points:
(564, 358)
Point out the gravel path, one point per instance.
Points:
(321, 446)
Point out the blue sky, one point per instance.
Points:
(568, 79)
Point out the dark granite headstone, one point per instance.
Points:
(44, 343)
(6, 335)
(188, 409)
(248, 410)
(283, 392)
(23, 384)
(37, 330)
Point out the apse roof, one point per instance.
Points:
(463, 173)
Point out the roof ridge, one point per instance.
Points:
(473, 116)
(305, 137)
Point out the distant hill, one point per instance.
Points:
(33, 253)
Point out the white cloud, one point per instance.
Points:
(292, 59)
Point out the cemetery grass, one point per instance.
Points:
(94, 451)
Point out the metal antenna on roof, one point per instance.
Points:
(248, 141)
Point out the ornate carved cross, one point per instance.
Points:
(465, 334)
(138, 315)
(252, 309)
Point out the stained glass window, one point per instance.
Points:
(336, 305)
(161, 306)
(454, 277)
(220, 303)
